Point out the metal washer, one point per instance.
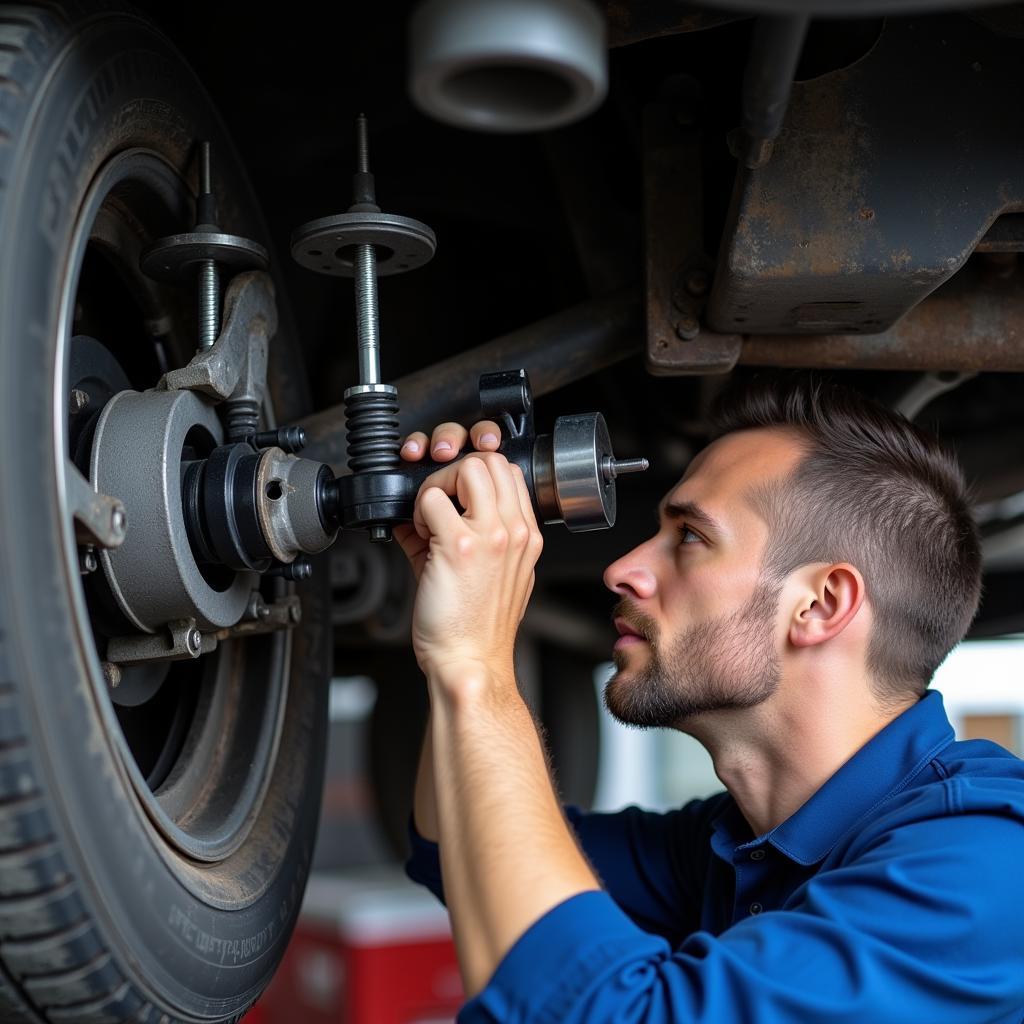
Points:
(171, 258)
(325, 245)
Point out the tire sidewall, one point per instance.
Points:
(119, 85)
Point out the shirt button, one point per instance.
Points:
(756, 908)
(757, 854)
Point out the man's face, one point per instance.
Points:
(703, 623)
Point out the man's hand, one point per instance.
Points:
(475, 570)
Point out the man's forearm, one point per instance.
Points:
(507, 854)
(424, 808)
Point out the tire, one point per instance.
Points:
(103, 915)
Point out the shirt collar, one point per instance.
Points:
(883, 766)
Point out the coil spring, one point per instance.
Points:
(243, 417)
(372, 429)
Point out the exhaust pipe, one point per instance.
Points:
(508, 65)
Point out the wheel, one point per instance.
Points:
(155, 836)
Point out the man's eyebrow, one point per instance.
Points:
(689, 510)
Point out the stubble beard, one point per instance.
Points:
(729, 662)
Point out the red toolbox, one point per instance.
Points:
(370, 948)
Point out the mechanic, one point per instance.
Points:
(810, 571)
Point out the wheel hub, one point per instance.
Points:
(137, 452)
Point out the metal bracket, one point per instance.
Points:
(284, 613)
(181, 642)
(235, 366)
(505, 396)
(99, 519)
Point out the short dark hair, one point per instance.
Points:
(875, 490)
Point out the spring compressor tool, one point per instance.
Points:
(570, 473)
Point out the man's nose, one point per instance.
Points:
(631, 576)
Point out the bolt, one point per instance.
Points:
(612, 468)
(697, 282)
(295, 613)
(194, 641)
(209, 279)
(111, 673)
(687, 327)
(87, 560)
(380, 534)
(79, 400)
(254, 609)
(288, 439)
(367, 315)
(118, 521)
(263, 612)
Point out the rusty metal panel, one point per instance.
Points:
(976, 322)
(885, 177)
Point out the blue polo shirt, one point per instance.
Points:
(894, 894)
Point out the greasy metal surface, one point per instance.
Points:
(236, 365)
(884, 178)
(137, 453)
(976, 322)
(674, 219)
(556, 351)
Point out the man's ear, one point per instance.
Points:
(833, 596)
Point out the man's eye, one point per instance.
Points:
(687, 536)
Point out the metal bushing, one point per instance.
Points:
(508, 65)
(286, 504)
(326, 245)
(571, 474)
(137, 455)
(174, 257)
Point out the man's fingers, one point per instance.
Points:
(467, 480)
(435, 514)
(414, 447)
(505, 490)
(485, 435)
(447, 441)
(536, 541)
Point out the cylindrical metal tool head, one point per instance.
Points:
(508, 65)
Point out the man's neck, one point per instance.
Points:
(772, 758)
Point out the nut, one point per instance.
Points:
(79, 401)
(194, 640)
(687, 327)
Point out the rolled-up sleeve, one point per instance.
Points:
(922, 923)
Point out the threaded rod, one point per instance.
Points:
(209, 303)
(367, 321)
